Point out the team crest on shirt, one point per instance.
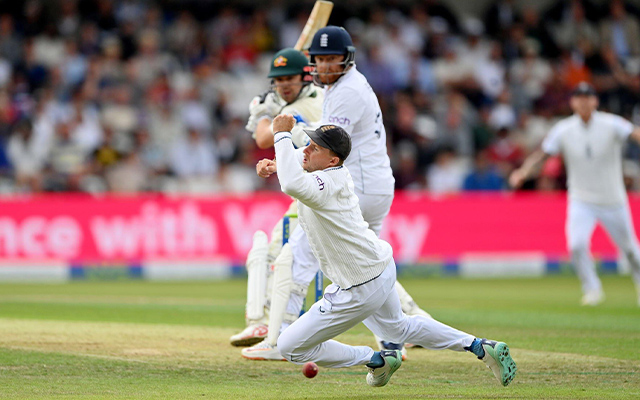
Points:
(280, 62)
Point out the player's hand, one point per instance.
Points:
(283, 123)
(265, 168)
(517, 178)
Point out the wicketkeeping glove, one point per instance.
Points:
(298, 136)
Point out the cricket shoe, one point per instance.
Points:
(251, 335)
(497, 357)
(382, 365)
(592, 298)
(263, 351)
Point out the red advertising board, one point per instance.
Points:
(88, 229)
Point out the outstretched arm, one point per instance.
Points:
(312, 188)
(263, 134)
(532, 163)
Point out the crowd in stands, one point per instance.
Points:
(131, 96)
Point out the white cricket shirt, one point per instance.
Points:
(592, 153)
(352, 104)
(349, 253)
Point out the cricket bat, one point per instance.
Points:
(317, 19)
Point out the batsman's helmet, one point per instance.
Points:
(290, 62)
(333, 40)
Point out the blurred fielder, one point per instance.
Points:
(359, 265)
(591, 144)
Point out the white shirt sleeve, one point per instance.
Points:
(344, 109)
(551, 143)
(621, 127)
(312, 189)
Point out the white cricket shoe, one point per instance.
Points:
(263, 351)
(592, 298)
(251, 335)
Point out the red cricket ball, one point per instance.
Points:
(310, 369)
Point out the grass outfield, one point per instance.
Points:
(141, 340)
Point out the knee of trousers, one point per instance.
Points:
(578, 249)
(287, 350)
(398, 332)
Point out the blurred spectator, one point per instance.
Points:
(490, 73)
(530, 76)
(404, 167)
(556, 95)
(34, 18)
(502, 113)
(10, 45)
(68, 23)
(67, 161)
(121, 116)
(505, 152)
(27, 156)
(500, 16)
(128, 176)
(182, 32)
(435, 8)
(561, 10)
(151, 154)
(150, 62)
(575, 27)
(165, 125)
(378, 71)
(447, 173)
(484, 175)
(621, 32)
(537, 30)
(74, 65)
(194, 156)
(106, 154)
(455, 117)
(49, 48)
(416, 72)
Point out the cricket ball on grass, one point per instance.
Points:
(310, 369)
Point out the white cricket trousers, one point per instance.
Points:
(377, 305)
(374, 210)
(616, 220)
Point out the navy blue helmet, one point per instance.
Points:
(332, 40)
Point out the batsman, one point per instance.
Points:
(275, 295)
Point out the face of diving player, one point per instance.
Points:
(318, 158)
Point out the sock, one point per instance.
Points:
(376, 360)
(476, 348)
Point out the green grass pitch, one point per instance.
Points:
(142, 340)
